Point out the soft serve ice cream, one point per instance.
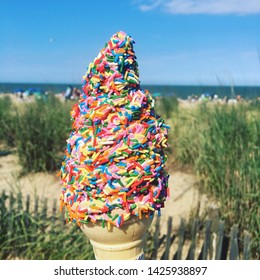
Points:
(114, 166)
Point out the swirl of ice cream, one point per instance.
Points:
(114, 163)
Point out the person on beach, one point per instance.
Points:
(68, 93)
(76, 93)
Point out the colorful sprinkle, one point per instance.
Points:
(114, 163)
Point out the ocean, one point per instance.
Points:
(180, 91)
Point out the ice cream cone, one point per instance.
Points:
(124, 243)
(114, 172)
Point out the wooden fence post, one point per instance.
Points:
(10, 217)
(27, 205)
(234, 253)
(3, 220)
(44, 209)
(207, 239)
(168, 239)
(36, 219)
(36, 207)
(54, 213)
(181, 234)
(27, 211)
(194, 230)
(156, 238)
(19, 202)
(219, 240)
(246, 250)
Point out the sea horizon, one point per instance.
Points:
(178, 90)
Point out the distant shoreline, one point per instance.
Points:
(179, 91)
(142, 84)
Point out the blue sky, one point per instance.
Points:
(177, 41)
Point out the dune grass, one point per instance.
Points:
(32, 230)
(7, 121)
(221, 143)
(40, 136)
(38, 130)
(28, 232)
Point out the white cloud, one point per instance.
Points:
(151, 5)
(211, 7)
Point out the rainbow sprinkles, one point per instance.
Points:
(114, 165)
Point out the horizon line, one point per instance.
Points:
(145, 84)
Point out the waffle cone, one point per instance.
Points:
(123, 243)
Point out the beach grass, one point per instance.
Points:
(7, 122)
(166, 106)
(40, 136)
(28, 232)
(221, 143)
(32, 230)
